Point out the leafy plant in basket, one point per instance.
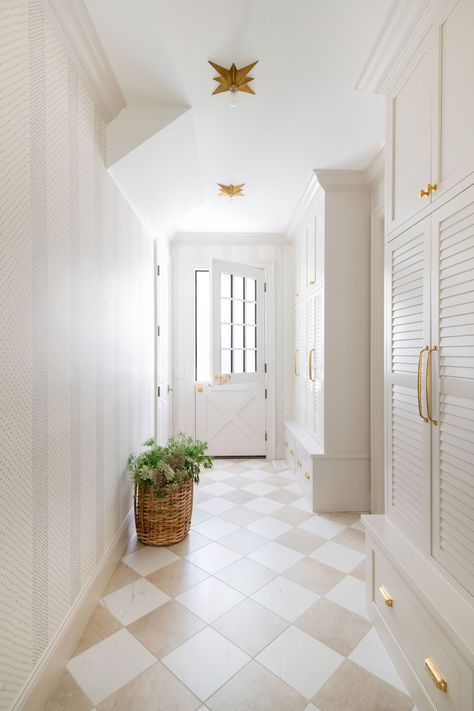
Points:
(164, 480)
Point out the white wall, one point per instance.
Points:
(196, 253)
(76, 341)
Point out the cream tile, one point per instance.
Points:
(122, 575)
(311, 707)
(345, 518)
(217, 506)
(359, 526)
(246, 576)
(352, 687)
(213, 558)
(301, 661)
(302, 541)
(285, 598)
(284, 497)
(254, 688)
(259, 488)
(333, 625)
(217, 488)
(215, 528)
(200, 496)
(338, 556)
(256, 475)
(314, 575)
(243, 541)
(166, 628)
(250, 626)
(351, 538)
(199, 516)
(275, 556)
(322, 527)
(239, 496)
(237, 481)
(350, 593)
(254, 463)
(101, 625)
(268, 527)
(264, 505)
(210, 599)
(281, 481)
(176, 578)
(294, 487)
(291, 515)
(302, 504)
(372, 655)
(192, 542)
(67, 696)
(205, 662)
(133, 601)
(149, 559)
(241, 516)
(360, 571)
(110, 664)
(133, 544)
(155, 689)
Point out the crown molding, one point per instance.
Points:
(405, 25)
(252, 238)
(341, 179)
(312, 189)
(81, 41)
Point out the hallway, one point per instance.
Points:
(261, 608)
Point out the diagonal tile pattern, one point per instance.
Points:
(261, 607)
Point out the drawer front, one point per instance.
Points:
(421, 639)
(290, 448)
(304, 471)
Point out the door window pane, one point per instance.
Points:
(238, 337)
(225, 336)
(250, 310)
(225, 285)
(237, 287)
(225, 310)
(250, 361)
(250, 289)
(237, 311)
(250, 339)
(238, 361)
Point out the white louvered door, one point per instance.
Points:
(298, 364)
(453, 387)
(309, 364)
(407, 334)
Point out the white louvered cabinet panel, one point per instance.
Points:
(309, 354)
(318, 385)
(453, 387)
(298, 364)
(407, 333)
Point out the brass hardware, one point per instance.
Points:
(170, 389)
(436, 675)
(222, 379)
(297, 357)
(310, 366)
(432, 187)
(312, 282)
(199, 387)
(386, 597)
(424, 193)
(419, 383)
(233, 79)
(428, 385)
(286, 445)
(231, 190)
(299, 464)
(306, 475)
(292, 453)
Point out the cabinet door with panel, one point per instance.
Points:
(298, 363)
(408, 434)
(309, 364)
(311, 252)
(453, 386)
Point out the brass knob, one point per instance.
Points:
(432, 187)
(424, 193)
(386, 597)
(312, 282)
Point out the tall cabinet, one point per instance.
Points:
(327, 441)
(421, 553)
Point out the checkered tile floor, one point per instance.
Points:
(261, 607)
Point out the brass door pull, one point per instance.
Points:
(311, 366)
(424, 193)
(296, 363)
(436, 675)
(420, 385)
(430, 188)
(428, 385)
(386, 597)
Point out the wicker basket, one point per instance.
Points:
(163, 520)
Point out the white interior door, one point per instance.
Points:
(230, 408)
(164, 389)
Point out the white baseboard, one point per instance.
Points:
(50, 666)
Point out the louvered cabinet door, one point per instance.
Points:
(318, 367)
(298, 364)
(453, 387)
(309, 363)
(407, 302)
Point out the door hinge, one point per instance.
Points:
(158, 333)
(266, 393)
(159, 391)
(265, 368)
(265, 286)
(158, 270)
(266, 436)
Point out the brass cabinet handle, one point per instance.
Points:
(312, 282)
(307, 476)
(432, 187)
(419, 383)
(424, 193)
(199, 387)
(297, 357)
(310, 366)
(428, 385)
(299, 464)
(292, 453)
(386, 597)
(436, 675)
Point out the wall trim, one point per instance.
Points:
(375, 171)
(76, 30)
(229, 238)
(311, 190)
(46, 674)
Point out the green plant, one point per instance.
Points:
(171, 466)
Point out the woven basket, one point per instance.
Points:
(163, 520)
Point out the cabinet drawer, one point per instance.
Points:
(421, 639)
(290, 448)
(304, 471)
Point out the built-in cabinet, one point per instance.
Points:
(421, 553)
(327, 441)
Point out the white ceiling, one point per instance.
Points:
(305, 115)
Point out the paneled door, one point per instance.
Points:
(408, 434)
(452, 364)
(230, 409)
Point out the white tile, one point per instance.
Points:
(302, 504)
(254, 463)
(216, 506)
(311, 707)
(217, 489)
(276, 556)
(210, 599)
(259, 488)
(215, 475)
(129, 603)
(108, 665)
(205, 662)
(351, 594)
(295, 488)
(256, 475)
(300, 660)
(372, 655)
(243, 541)
(199, 515)
(215, 528)
(147, 560)
(213, 557)
(322, 527)
(246, 576)
(241, 516)
(338, 556)
(285, 598)
(268, 527)
(263, 505)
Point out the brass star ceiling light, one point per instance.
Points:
(231, 190)
(233, 80)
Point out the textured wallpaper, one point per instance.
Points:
(76, 341)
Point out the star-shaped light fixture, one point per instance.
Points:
(233, 80)
(231, 190)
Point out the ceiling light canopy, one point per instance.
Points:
(233, 80)
(231, 190)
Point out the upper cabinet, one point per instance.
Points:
(308, 262)
(430, 150)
